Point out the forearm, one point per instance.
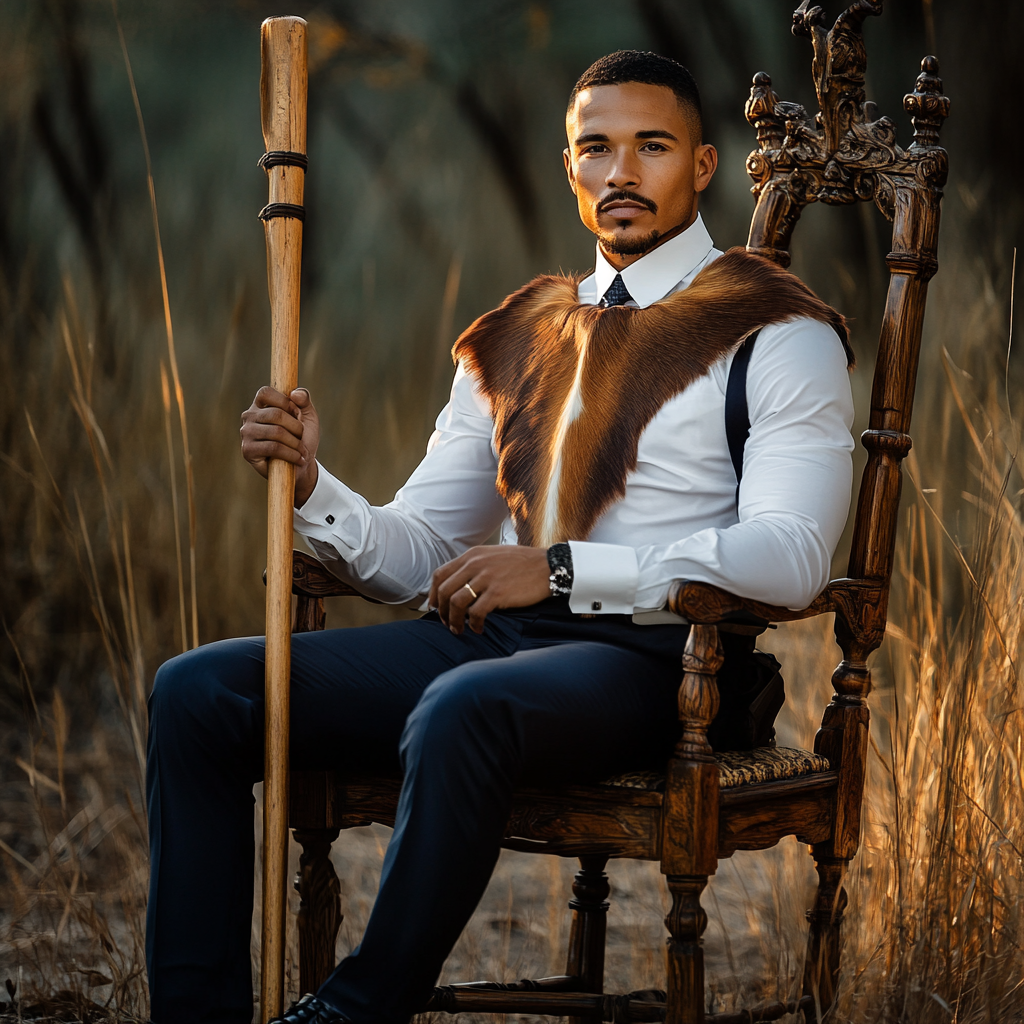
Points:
(783, 561)
(447, 505)
(387, 553)
(371, 574)
(792, 511)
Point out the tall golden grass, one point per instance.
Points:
(938, 926)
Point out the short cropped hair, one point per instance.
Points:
(650, 69)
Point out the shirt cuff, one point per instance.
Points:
(327, 505)
(605, 578)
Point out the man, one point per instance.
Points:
(587, 419)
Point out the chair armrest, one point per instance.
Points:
(311, 578)
(706, 604)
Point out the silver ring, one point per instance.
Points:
(472, 591)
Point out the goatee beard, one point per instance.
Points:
(630, 246)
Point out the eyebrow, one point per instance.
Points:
(655, 133)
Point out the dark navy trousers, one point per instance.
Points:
(541, 696)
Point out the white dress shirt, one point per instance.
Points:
(679, 517)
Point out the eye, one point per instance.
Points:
(653, 147)
(594, 148)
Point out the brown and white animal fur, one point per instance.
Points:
(572, 387)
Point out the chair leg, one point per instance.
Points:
(821, 970)
(686, 922)
(589, 907)
(319, 907)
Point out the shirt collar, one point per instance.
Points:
(653, 276)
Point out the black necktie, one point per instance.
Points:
(616, 294)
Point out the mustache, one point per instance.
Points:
(620, 194)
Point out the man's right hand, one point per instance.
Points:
(278, 426)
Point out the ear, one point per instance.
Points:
(570, 173)
(705, 163)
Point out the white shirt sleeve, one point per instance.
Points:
(604, 578)
(448, 504)
(793, 500)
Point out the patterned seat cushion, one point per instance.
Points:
(738, 768)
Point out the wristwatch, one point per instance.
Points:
(560, 564)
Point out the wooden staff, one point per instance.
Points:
(283, 107)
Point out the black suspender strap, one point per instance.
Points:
(737, 417)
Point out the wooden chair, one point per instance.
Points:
(706, 806)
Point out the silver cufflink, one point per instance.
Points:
(330, 520)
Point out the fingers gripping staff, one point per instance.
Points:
(283, 82)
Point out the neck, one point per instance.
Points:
(620, 262)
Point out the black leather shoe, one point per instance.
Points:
(310, 1010)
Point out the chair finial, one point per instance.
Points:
(847, 152)
(927, 105)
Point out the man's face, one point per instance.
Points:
(634, 167)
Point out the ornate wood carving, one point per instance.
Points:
(846, 152)
(698, 694)
(705, 603)
(689, 844)
(312, 581)
(605, 824)
(691, 799)
(590, 820)
(319, 908)
(821, 968)
(764, 794)
(589, 906)
(686, 921)
(757, 825)
(310, 577)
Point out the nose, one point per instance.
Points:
(624, 171)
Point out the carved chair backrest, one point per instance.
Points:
(844, 155)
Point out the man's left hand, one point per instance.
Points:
(499, 575)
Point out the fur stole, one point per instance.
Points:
(572, 387)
